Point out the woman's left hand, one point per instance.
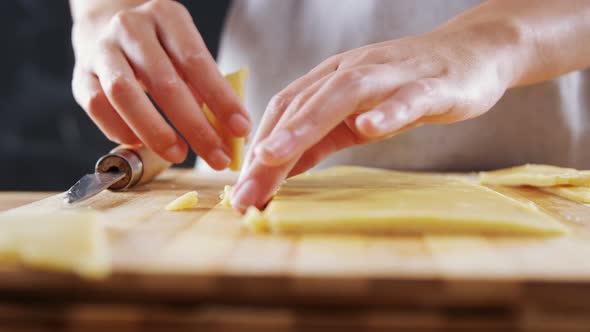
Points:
(375, 92)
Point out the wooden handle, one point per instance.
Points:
(152, 163)
(139, 164)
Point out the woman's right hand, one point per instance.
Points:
(154, 47)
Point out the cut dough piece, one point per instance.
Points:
(66, 241)
(237, 81)
(576, 194)
(255, 220)
(357, 200)
(536, 175)
(186, 201)
(225, 196)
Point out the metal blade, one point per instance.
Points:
(91, 184)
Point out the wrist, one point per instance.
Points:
(89, 16)
(96, 11)
(89, 19)
(501, 40)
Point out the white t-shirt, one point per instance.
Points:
(282, 40)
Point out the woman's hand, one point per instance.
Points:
(154, 47)
(373, 93)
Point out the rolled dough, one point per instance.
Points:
(361, 200)
(66, 241)
(536, 175)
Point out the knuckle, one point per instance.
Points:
(194, 59)
(162, 138)
(106, 42)
(333, 59)
(345, 64)
(298, 101)
(96, 103)
(166, 7)
(400, 107)
(126, 20)
(347, 77)
(424, 86)
(159, 4)
(356, 59)
(167, 86)
(333, 62)
(279, 101)
(119, 86)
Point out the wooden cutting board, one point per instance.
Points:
(205, 255)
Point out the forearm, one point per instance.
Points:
(545, 38)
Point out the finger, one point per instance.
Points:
(89, 95)
(126, 96)
(339, 138)
(183, 43)
(259, 184)
(342, 95)
(153, 67)
(261, 181)
(295, 104)
(412, 102)
(281, 101)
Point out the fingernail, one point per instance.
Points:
(244, 195)
(376, 118)
(278, 146)
(371, 123)
(175, 154)
(218, 159)
(239, 124)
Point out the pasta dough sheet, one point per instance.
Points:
(536, 175)
(576, 194)
(237, 81)
(65, 241)
(361, 200)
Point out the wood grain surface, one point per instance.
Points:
(13, 199)
(204, 256)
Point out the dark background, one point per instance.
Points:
(46, 140)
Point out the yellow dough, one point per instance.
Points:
(66, 241)
(576, 194)
(536, 175)
(237, 81)
(186, 201)
(226, 196)
(361, 200)
(255, 220)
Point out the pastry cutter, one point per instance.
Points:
(121, 169)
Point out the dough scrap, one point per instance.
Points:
(536, 175)
(576, 194)
(186, 201)
(65, 241)
(225, 196)
(255, 220)
(237, 80)
(361, 200)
